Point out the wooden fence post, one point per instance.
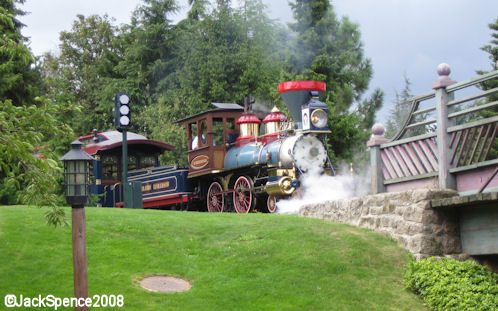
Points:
(446, 180)
(377, 178)
(79, 254)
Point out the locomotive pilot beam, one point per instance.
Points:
(239, 162)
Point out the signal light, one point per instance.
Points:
(122, 111)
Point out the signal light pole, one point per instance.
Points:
(122, 120)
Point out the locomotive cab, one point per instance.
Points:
(210, 134)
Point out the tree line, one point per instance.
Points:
(220, 52)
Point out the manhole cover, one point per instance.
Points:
(165, 284)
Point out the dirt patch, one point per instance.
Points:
(165, 284)
(352, 231)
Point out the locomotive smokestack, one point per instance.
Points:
(297, 93)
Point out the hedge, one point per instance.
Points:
(448, 284)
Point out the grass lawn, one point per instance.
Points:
(234, 262)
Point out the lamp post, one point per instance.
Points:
(76, 176)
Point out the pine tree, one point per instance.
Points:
(220, 56)
(492, 50)
(328, 49)
(18, 82)
(401, 109)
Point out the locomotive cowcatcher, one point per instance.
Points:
(237, 161)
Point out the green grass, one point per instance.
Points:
(234, 262)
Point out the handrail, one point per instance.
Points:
(472, 97)
(479, 79)
(446, 151)
(407, 140)
(473, 109)
(114, 194)
(452, 88)
(414, 125)
(472, 124)
(416, 100)
(424, 110)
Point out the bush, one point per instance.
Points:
(447, 284)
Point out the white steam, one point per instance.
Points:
(317, 188)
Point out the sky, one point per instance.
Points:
(400, 37)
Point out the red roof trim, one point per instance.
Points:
(301, 86)
(93, 149)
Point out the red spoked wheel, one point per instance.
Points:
(242, 196)
(271, 204)
(215, 200)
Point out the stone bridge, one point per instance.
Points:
(427, 222)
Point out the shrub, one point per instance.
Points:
(448, 284)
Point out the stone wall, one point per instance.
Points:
(405, 216)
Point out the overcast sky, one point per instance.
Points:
(400, 36)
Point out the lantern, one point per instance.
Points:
(76, 174)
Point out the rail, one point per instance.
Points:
(448, 139)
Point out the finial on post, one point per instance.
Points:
(378, 135)
(376, 176)
(443, 70)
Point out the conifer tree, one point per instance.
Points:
(492, 50)
(328, 49)
(399, 112)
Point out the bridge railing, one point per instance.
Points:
(444, 143)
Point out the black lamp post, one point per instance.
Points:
(76, 176)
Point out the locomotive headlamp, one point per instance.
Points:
(319, 118)
(76, 173)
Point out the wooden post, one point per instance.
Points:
(446, 180)
(377, 178)
(79, 254)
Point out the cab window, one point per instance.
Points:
(204, 132)
(193, 136)
(218, 131)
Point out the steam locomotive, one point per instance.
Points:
(232, 167)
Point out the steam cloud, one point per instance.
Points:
(317, 188)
